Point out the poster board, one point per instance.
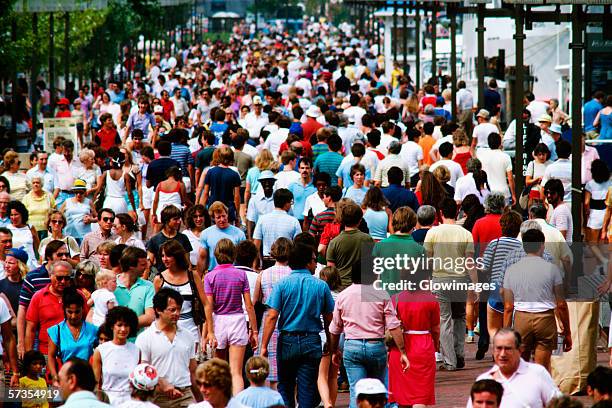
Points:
(54, 127)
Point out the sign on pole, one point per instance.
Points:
(54, 127)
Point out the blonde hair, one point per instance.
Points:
(460, 138)
(442, 174)
(85, 153)
(106, 246)
(264, 159)
(217, 207)
(257, 369)
(216, 372)
(9, 158)
(103, 276)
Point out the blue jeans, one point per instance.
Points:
(364, 359)
(298, 362)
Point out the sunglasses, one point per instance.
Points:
(63, 278)
(56, 222)
(63, 254)
(108, 219)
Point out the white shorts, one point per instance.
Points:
(148, 194)
(230, 330)
(596, 219)
(187, 182)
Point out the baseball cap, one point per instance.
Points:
(483, 113)
(370, 386)
(257, 100)
(63, 101)
(144, 377)
(266, 175)
(19, 254)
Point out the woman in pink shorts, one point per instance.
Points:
(225, 287)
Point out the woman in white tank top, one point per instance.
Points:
(117, 184)
(114, 360)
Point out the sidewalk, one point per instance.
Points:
(453, 388)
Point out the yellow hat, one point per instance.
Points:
(79, 185)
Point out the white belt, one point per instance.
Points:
(416, 331)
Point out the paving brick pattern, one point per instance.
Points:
(453, 388)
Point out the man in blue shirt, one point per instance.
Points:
(209, 238)
(302, 189)
(590, 111)
(396, 194)
(297, 303)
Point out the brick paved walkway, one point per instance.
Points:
(452, 388)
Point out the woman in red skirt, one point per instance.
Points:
(419, 313)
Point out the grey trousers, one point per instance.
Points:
(452, 322)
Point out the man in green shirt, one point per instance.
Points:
(399, 245)
(133, 291)
(345, 250)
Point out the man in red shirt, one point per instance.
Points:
(108, 136)
(45, 309)
(63, 106)
(168, 106)
(310, 127)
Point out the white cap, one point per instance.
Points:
(370, 386)
(257, 100)
(313, 111)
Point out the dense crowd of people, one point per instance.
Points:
(202, 241)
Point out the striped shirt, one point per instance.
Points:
(501, 248)
(226, 285)
(182, 155)
(273, 226)
(319, 149)
(329, 162)
(33, 282)
(319, 221)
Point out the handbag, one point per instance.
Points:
(197, 306)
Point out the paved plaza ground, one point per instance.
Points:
(453, 388)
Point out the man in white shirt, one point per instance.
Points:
(355, 112)
(466, 185)
(561, 169)
(256, 119)
(482, 130)
(456, 172)
(525, 384)
(498, 167)
(533, 295)
(387, 136)
(537, 108)
(465, 103)
(412, 154)
(561, 215)
(392, 160)
(275, 139)
(171, 350)
(42, 171)
(180, 105)
(288, 175)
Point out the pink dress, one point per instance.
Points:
(420, 314)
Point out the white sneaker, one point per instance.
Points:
(439, 357)
(469, 339)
